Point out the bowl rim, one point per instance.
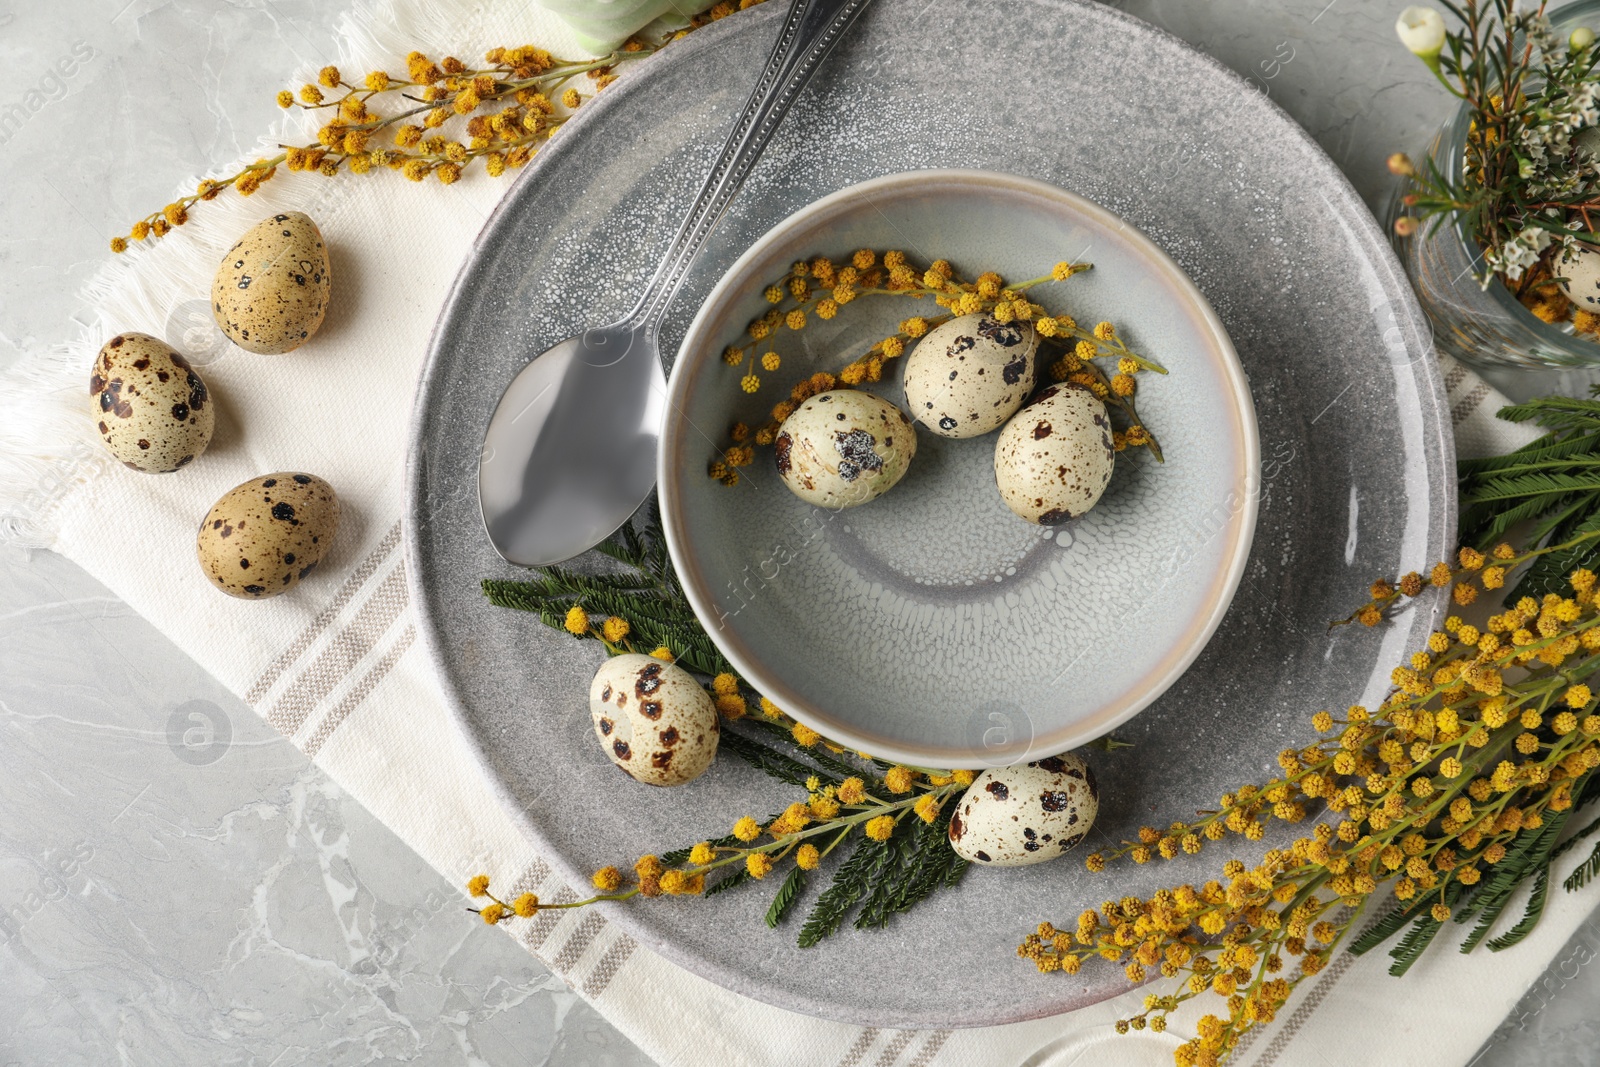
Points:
(1086, 729)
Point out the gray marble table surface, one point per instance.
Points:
(178, 885)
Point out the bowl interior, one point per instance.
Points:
(932, 625)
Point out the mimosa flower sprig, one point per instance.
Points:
(436, 120)
(1455, 791)
(893, 817)
(1530, 186)
(819, 287)
(876, 877)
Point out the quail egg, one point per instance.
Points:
(843, 448)
(653, 719)
(262, 537)
(151, 408)
(1580, 277)
(969, 375)
(1014, 816)
(1054, 458)
(271, 289)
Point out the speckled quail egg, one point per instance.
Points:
(844, 448)
(1014, 816)
(653, 719)
(1579, 270)
(1054, 458)
(971, 374)
(271, 289)
(262, 537)
(151, 408)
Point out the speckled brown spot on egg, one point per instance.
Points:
(621, 748)
(111, 400)
(856, 453)
(197, 390)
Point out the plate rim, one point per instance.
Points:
(1240, 527)
(1433, 406)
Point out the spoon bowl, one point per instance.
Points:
(570, 452)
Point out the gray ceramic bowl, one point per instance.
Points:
(932, 625)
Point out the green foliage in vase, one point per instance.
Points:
(1529, 184)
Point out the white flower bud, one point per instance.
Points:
(1421, 30)
(1581, 38)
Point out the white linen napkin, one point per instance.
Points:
(335, 667)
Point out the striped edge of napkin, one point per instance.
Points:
(1473, 403)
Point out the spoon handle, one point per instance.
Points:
(809, 32)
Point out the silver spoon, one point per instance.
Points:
(570, 452)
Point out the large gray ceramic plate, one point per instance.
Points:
(1355, 447)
